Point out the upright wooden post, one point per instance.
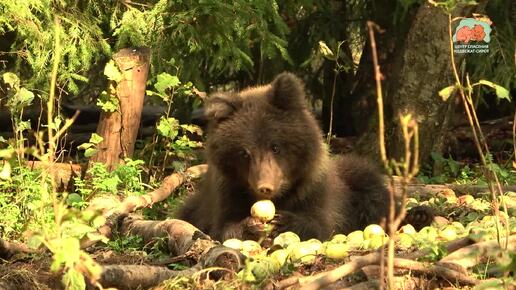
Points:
(119, 128)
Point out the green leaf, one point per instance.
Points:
(192, 129)
(85, 146)
(112, 72)
(96, 138)
(35, 241)
(166, 81)
(11, 79)
(73, 280)
(73, 198)
(446, 92)
(107, 102)
(90, 152)
(22, 126)
(326, 51)
(168, 127)
(6, 153)
(501, 92)
(98, 221)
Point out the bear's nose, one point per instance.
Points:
(265, 189)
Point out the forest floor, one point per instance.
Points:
(463, 219)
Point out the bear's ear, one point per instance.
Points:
(287, 92)
(222, 105)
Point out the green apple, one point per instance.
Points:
(373, 230)
(336, 250)
(355, 239)
(339, 238)
(285, 239)
(264, 210)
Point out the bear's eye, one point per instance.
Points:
(243, 154)
(275, 148)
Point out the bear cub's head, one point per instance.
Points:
(263, 139)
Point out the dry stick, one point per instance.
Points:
(379, 99)
(333, 91)
(184, 240)
(329, 277)
(438, 270)
(408, 171)
(381, 126)
(330, 129)
(132, 203)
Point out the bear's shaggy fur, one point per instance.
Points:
(263, 143)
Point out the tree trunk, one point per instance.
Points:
(419, 68)
(423, 70)
(119, 129)
(389, 44)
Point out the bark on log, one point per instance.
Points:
(433, 189)
(119, 129)
(480, 252)
(9, 249)
(184, 240)
(126, 277)
(132, 203)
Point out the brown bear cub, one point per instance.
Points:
(263, 143)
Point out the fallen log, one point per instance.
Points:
(9, 249)
(186, 242)
(432, 189)
(127, 277)
(132, 203)
(477, 253)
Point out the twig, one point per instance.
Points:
(322, 279)
(437, 270)
(379, 99)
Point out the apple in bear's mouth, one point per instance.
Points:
(263, 210)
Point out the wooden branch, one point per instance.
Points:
(9, 249)
(432, 189)
(184, 240)
(132, 203)
(323, 279)
(125, 277)
(326, 278)
(474, 254)
(438, 270)
(451, 246)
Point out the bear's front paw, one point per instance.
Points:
(252, 229)
(282, 222)
(419, 217)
